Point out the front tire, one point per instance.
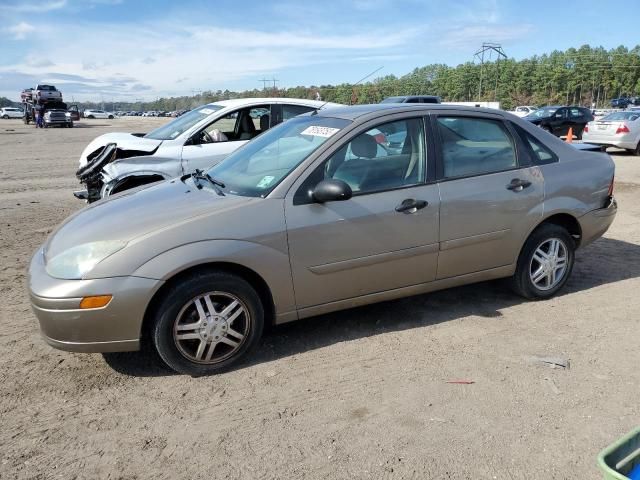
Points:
(545, 263)
(110, 117)
(6, 117)
(207, 323)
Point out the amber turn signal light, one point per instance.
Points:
(97, 301)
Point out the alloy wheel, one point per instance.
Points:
(548, 264)
(211, 327)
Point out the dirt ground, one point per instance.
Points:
(357, 394)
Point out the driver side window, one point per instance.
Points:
(243, 124)
(390, 156)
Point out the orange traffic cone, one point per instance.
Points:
(569, 135)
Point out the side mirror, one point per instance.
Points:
(331, 191)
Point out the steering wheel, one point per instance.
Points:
(206, 138)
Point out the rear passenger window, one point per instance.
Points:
(290, 111)
(389, 156)
(473, 146)
(541, 154)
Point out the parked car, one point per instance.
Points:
(412, 99)
(523, 110)
(312, 217)
(620, 102)
(198, 139)
(45, 93)
(619, 129)
(91, 114)
(558, 120)
(11, 112)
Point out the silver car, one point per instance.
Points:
(327, 211)
(618, 129)
(115, 162)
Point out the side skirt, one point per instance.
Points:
(419, 289)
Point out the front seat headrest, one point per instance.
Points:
(364, 146)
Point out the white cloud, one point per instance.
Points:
(173, 61)
(36, 7)
(21, 30)
(472, 36)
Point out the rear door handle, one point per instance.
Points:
(517, 185)
(411, 205)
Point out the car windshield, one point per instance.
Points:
(543, 112)
(621, 116)
(259, 166)
(181, 124)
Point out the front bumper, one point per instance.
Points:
(595, 223)
(114, 328)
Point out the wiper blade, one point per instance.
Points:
(201, 175)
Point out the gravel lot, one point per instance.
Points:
(358, 394)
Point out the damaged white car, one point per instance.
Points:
(199, 139)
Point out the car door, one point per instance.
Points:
(384, 237)
(577, 120)
(203, 151)
(560, 122)
(491, 196)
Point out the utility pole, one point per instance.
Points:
(264, 83)
(480, 54)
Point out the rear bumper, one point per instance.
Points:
(622, 141)
(595, 223)
(113, 328)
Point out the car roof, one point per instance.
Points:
(356, 111)
(240, 102)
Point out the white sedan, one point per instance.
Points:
(618, 129)
(199, 139)
(523, 110)
(10, 112)
(97, 114)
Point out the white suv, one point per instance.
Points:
(97, 114)
(10, 112)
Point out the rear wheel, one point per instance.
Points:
(545, 263)
(6, 117)
(635, 151)
(207, 323)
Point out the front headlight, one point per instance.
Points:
(74, 263)
(67, 114)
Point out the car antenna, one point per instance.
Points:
(315, 112)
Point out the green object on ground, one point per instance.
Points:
(621, 457)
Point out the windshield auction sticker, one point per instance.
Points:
(319, 131)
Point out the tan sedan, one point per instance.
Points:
(327, 211)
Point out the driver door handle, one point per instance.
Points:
(411, 205)
(517, 185)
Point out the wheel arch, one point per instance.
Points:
(562, 219)
(246, 273)
(133, 180)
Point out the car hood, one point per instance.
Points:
(125, 141)
(135, 214)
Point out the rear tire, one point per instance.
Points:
(545, 263)
(6, 117)
(191, 331)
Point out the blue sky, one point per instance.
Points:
(143, 49)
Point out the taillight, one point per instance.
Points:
(610, 193)
(586, 128)
(622, 128)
